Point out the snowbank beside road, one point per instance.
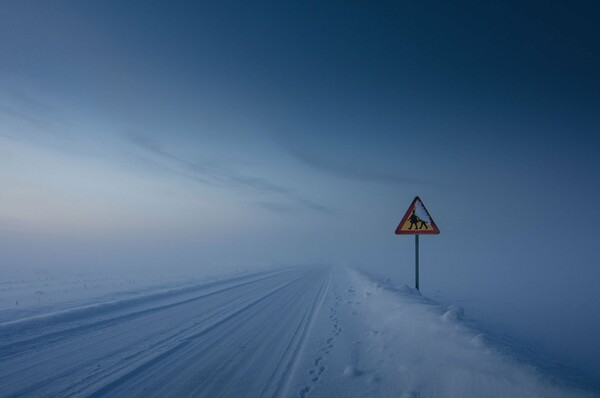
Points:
(415, 347)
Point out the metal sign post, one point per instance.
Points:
(417, 262)
(417, 221)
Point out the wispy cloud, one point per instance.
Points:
(214, 173)
(8, 137)
(28, 117)
(353, 169)
(276, 207)
(17, 105)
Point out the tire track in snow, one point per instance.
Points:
(114, 364)
(211, 367)
(181, 344)
(160, 350)
(47, 338)
(296, 347)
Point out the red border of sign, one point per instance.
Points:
(434, 231)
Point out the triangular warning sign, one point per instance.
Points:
(417, 220)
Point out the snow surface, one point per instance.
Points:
(421, 212)
(304, 332)
(27, 292)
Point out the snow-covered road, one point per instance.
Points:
(295, 332)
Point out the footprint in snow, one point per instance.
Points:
(304, 391)
(351, 371)
(411, 394)
(374, 379)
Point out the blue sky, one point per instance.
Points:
(278, 133)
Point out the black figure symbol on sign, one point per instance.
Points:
(415, 220)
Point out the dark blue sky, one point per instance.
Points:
(301, 132)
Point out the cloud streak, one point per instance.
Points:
(212, 173)
(15, 104)
(350, 170)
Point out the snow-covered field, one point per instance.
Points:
(28, 292)
(303, 332)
